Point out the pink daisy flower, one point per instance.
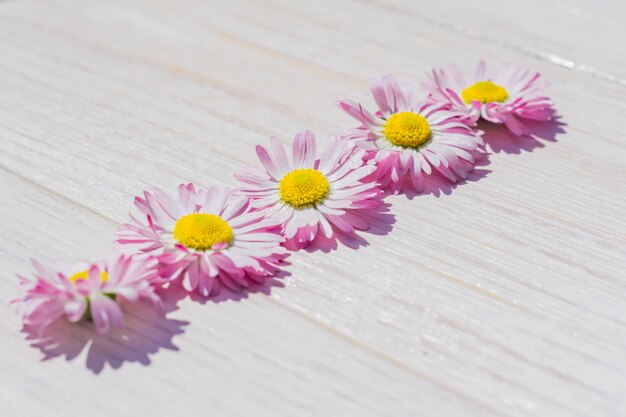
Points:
(409, 139)
(209, 239)
(82, 290)
(310, 194)
(509, 96)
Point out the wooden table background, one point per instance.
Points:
(503, 296)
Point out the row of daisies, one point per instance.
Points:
(208, 239)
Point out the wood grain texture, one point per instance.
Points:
(503, 296)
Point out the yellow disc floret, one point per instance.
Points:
(82, 275)
(201, 231)
(407, 129)
(303, 187)
(485, 92)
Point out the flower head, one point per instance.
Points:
(82, 290)
(312, 194)
(508, 97)
(410, 138)
(208, 238)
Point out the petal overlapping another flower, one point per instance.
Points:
(344, 174)
(451, 150)
(253, 255)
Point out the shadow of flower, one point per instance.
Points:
(437, 185)
(499, 139)
(175, 293)
(227, 295)
(146, 331)
(379, 221)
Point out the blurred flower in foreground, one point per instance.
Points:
(86, 291)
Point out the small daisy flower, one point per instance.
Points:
(311, 194)
(86, 291)
(209, 239)
(409, 139)
(509, 97)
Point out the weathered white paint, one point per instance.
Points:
(503, 296)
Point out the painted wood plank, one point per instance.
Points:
(502, 296)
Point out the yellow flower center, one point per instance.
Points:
(201, 231)
(82, 275)
(303, 187)
(485, 92)
(407, 129)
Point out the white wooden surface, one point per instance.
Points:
(501, 297)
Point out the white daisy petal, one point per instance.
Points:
(197, 245)
(316, 189)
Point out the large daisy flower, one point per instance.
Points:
(208, 238)
(510, 96)
(410, 138)
(86, 291)
(311, 194)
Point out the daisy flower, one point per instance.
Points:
(409, 139)
(208, 238)
(310, 194)
(86, 291)
(509, 96)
